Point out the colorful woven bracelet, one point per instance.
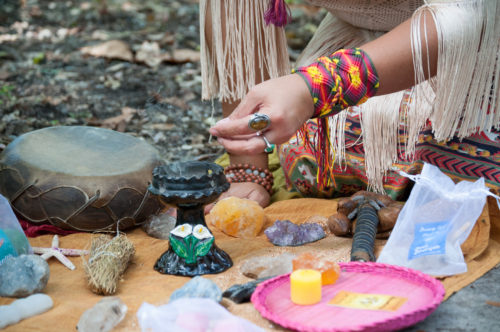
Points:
(345, 78)
(247, 173)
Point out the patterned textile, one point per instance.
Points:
(345, 78)
(467, 159)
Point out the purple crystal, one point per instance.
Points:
(286, 233)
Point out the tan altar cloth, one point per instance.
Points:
(141, 283)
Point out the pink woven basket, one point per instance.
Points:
(423, 293)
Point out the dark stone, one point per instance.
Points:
(241, 293)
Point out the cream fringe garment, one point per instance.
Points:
(462, 99)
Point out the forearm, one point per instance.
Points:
(391, 55)
(348, 77)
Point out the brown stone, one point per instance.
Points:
(346, 206)
(387, 216)
(339, 224)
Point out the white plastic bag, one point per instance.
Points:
(191, 315)
(437, 218)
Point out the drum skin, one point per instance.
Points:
(80, 178)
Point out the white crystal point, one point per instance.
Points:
(103, 316)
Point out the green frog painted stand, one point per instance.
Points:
(189, 186)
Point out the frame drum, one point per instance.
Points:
(80, 178)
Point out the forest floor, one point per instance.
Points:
(146, 83)
(127, 65)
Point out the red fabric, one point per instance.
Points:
(32, 230)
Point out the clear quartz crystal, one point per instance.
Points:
(104, 316)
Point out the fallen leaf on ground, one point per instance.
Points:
(54, 101)
(182, 56)
(149, 53)
(113, 49)
(176, 101)
(119, 122)
(162, 126)
(493, 303)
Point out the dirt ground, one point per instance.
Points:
(131, 66)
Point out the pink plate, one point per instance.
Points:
(423, 294)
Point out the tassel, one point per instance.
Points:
(277, 13)
(321, 149)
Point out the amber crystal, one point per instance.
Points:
(238, 217)
(330, 271)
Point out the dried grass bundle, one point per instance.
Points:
(108, 260)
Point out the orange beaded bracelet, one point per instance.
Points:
(248, 173)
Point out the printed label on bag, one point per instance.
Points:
(429, 239)
(367, 301)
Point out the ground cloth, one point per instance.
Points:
(141, 283)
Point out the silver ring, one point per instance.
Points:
(269, 146)
(259, 122)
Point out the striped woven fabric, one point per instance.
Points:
(467, 159)
(345, 78)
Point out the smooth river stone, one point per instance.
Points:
(286, 233)
(238, 217)
(23, 275)
(267, 266)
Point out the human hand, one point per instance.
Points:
(249, 190)
(286, 100)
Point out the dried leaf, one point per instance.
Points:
(119, 122)
(493, 303)
(113, 49)
(176, 101)
(162, 126)
(53, 100)
(149, 53)
(182, 56)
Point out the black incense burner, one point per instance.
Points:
(189, 186)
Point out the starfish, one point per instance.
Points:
(59, 253)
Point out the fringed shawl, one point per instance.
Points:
(462, 99)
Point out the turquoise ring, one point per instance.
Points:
(269, 146)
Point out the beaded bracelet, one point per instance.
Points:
(237, 173)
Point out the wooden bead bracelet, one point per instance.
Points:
(238, 173)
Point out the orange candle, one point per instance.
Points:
(305, 286)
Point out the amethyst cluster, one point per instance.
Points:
(286, 233)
